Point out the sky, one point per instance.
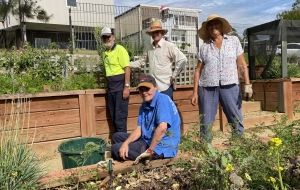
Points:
(240, 13)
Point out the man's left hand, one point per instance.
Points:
(126, 93)
(147, 155)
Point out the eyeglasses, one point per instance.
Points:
(143, 89)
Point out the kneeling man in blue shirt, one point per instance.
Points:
(158, 128)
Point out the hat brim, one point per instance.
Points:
(149, 32)
(203, 33)
(145, 84)
(106, 34)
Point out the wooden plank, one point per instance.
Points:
(42, 94)
(248, 107)
(86, 173)
(91, 118)
(102, 113)
(40, 104)
(272, 96)
(83, 115)
(49, 133)
(185, 105)
(272, 86)
(296, 95)
(287, 99)
(182, 95)
(260, 96)
(50, 118)
(105, 126)
(135, 99)
(190, 117)
(51, 151)
(296, 86)
(258, 87)
(100, 100)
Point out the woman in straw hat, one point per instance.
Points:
(216, 76)
(161, 57)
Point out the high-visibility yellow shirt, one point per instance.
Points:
(115, 60)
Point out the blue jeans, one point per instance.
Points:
(230, 99)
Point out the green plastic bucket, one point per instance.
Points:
(82, 152)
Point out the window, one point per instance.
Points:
(293, 46)
(42, 42)
(178, 36)
(146, 23)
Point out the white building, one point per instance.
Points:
(181, 23)
(58, 28)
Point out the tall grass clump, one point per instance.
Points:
(19, 166)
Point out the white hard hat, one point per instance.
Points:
(106, 31)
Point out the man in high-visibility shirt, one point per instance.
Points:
(117, 70)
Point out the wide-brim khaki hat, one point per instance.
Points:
(156, 26)
(203, 33)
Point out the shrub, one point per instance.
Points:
(259, 165)
(19, 166)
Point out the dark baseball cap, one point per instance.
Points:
(147, 81)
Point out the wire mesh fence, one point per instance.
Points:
(274, 49)
(129, 25)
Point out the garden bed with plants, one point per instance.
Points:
(251, 162)
(245, 163)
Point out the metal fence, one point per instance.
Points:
(130, 24)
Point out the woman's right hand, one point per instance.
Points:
(194, 99)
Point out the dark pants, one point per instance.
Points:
(230, 99)
(169, 92)
(135, 148)
(118, 109)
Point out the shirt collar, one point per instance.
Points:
(153, 101)
(160, 43)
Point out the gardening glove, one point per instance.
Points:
(248, 90)
(144, 156)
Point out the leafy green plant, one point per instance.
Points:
(19, 166)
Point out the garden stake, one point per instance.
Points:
(110, 171)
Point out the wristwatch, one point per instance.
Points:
(127, 85)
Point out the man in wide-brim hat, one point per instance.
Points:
(156, 26)
(216, 77)
(161, 57)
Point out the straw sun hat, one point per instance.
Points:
(203, 33)
(156, 25)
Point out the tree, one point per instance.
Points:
(293, 14)
(22, 10)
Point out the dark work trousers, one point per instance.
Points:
(169, 92)
(230, 99)
(135, 148)
(118, 109)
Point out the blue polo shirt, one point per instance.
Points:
(160, 109)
